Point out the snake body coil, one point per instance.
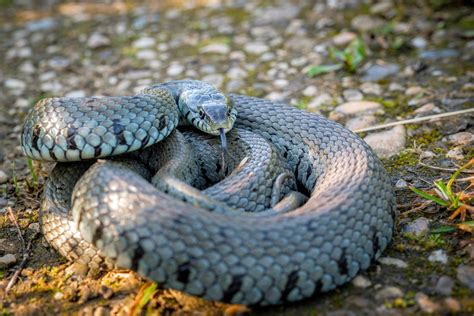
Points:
(240, 258)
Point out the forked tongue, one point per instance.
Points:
(224, 148)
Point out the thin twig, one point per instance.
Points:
(465, 179)
(13, 219)
(444, 169)
(413, 120)
(26, 255)
(416, 209)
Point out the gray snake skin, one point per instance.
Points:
(223, 254)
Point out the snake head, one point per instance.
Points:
(212, 113)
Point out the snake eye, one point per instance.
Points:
(202, 115)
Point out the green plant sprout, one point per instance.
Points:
(34, 174)
(350, 59)
(458, 202)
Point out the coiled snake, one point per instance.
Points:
(210, 243)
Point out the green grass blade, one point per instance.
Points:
(447, 194)
(429, 197)
(147, 295)
(443, 230)
(323, 69)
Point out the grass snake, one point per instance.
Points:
(167, 212)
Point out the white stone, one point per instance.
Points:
(3, 177)
(256, 48)
(427, 108)
(58, 296)
(358, 107)
(236, 73)
(216, 48)
(146, 54)
(395, 87)
(97, 40)
(322, 99)
(144, 42)
(419, 42)
(310, 91)
(344, 38)
(352, 95)
(215, 79)
(371, 88)
(76, 94)
(393, 262)
(387, 143)
(461, 138)
(361, 282)
(438, 256)
(175, 69)
(27, 67)
(281, 83)
(360, 122)
(15, 84)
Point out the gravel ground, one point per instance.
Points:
(418, 61)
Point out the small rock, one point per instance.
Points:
(371, 88)
(352, 95)
(388, 293)
(235, 85)
(97, 40)
(144, 42)
(378, 72)
(414, 90)
(453, 305)
(216, 48)
(256, 48)
(344, 38)
(76, 94)
(59, 63)
(393, 262)
(387, 143)
(395, 87)
(426, 304)
(3, 203)
(439, 54)
(280, 83)
(438, 256)
(418, 227)
(427, 154)
(58, 296)
(361, 282)
(419, 42)
(15, 85)
(358, 107)
(3, 177)
(214, 79)
(360, 122)
(322, 99)
(27, 67)
(276, 96)
(175, 69)
(41, 25)
(444, 286)
(381, 7)
(310, 91)
(365, 23)
(401, 184)
(428, 108)
(455, 153)
(146, 54)
(465, 275)
(236, 73)
(461, 138)
(34, 227)
(7, 260)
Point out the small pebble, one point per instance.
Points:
(444, 286)
(352, 95)
(387, 143)
(461, 139)
(418, 227)
(426, 304)
(455, 153)
(7, 260)
(3, 177)
(389, 293)
(393, 262)
(318, 101)
(371, 88)
(438, 256)
(452, 304)
(465, 274)
(344, 38)
(357, 107)
(361, 282)
(58, 296)
(97, 40)
(360, 122)
(310, 91)
(400, 184)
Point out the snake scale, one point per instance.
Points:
(167, 211)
